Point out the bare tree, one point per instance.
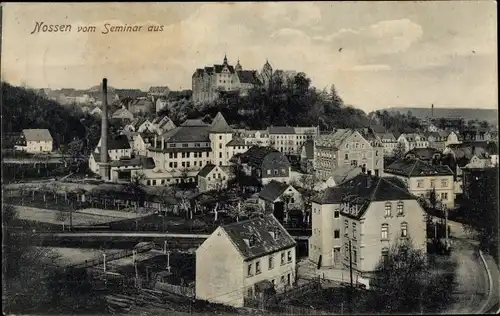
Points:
(61, 216)
(399, 151)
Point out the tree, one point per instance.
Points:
(402, 283)
(399, 151)
(23, 266)
(136, 187)
(480, 208)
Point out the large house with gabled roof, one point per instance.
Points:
(348, 147)
(265, 164)
(180, 153)
(35, 141)
(372, 213)
(422, 178)
(239, 261)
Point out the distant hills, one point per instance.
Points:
(490, 115)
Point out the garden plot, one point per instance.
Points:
(51, 217)
(71, 256)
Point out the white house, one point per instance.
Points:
(368, 213)
(421, 178)
(35, 141)
(118, 147)
(212, 177)
(237, 261)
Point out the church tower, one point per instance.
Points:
(220, 134)
(225, 60)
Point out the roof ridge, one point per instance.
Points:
(414, 165)
(398, 187)
(376, 188)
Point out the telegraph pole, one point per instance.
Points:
(446, 225)
(350, 275)
(350, 262)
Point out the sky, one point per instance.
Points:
(377, 54)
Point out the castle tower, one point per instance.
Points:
(267, 73)
(238, 66)
(220, 134)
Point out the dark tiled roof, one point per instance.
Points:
(469, 149)
(189, 131)
(364, 189)
(219, 125)
(145, 162)
(281, 130)
(260, 229)
(255, 155)
(118, 142)
(218, 68)
(417, 168)
(273, 190)
(206, 170)
(236, 141)
(423, 153)
(130, 93)
(248, 76)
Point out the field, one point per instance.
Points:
(70, 256)
(51, 217)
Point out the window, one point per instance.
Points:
(220, 137)
(385, 255)
(220, 146)
(220, 155)
(185, 145)
(354, 230)
(336, 214)
(354, 163)
(289, 256)
(183, 164)
(271, 262)
(268, 172)
(282, 279)
(433, 183)
(354, 255)
(404, 229)
(420, 183)
(385, 231)
(275, 172)
(282, 258)
(346, 249)
(250, 269)
(388, 209)
(250, 292)
(288, 279)
(257, 267)
(444, 183)
(170, 164)
(346, 156)
(444, 196)
(346, 226)
(175, 164)
(336, 234)
(197, 145)
(400, 208)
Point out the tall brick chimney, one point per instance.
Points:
(104, 167)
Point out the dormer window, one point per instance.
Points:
(252, 241)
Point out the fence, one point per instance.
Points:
(176, 289)
(113, 256)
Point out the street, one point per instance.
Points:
(472, 280)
